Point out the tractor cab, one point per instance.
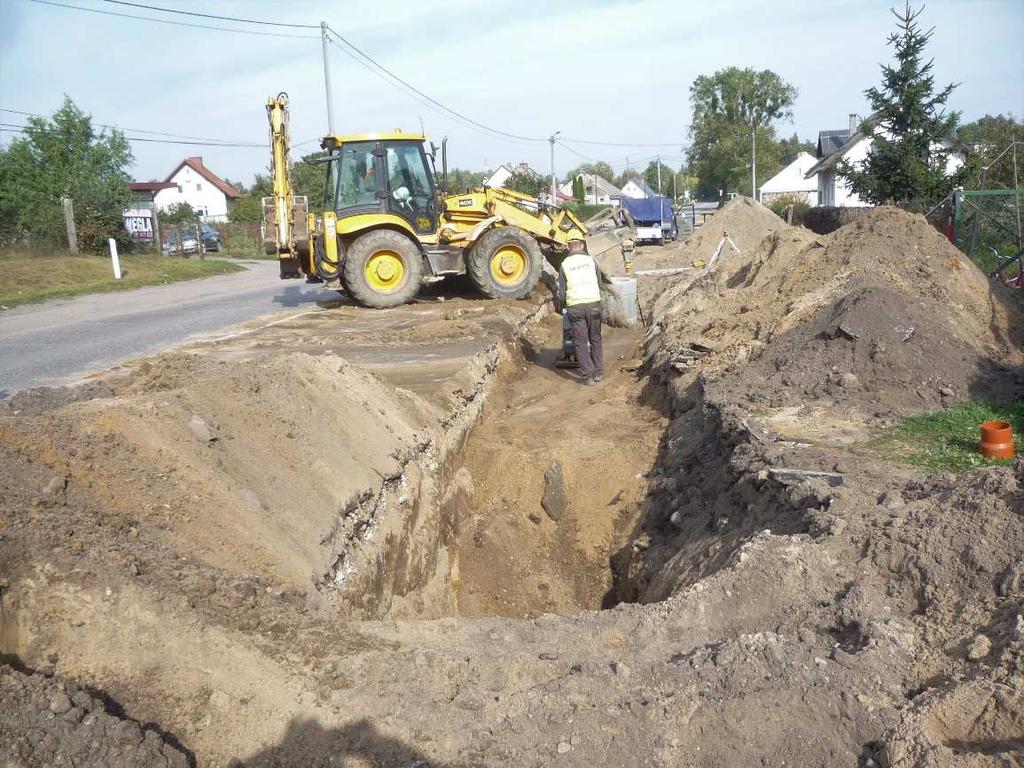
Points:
(381, 173)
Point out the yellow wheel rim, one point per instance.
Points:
(509, 265)
(384, 271)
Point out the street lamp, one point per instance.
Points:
(552, 140)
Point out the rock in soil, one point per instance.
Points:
(554, 500)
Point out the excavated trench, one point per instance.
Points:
(558, 498)
(541, 482)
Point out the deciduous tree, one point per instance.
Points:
(64, 156)
(728, 108)
(989, 139)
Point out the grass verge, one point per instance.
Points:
(27, 278)
(948, 439)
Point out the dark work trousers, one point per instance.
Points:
(585, 327)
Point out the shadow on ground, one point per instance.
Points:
(308, 744)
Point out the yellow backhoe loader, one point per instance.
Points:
(384, 229)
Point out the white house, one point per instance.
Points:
(854, 146)
(637, 188)
(792, 182)
(504, 172)
(193, 183)
(597, 190)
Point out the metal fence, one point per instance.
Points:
(986, 225)
(182, 240)
(239, 238)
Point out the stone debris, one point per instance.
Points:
(554, 500)
(979, 648)
(201, 430)
(47, 722)
(795, 476)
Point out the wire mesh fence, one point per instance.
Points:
(987, 227)
(241, 238)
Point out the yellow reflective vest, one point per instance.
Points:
(578, 282)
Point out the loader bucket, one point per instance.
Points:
(610, 236)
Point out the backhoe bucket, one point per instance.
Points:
(610, 239)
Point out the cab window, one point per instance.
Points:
(409, 185)
(353, 177)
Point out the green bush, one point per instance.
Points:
(800, 208)
(584, 211)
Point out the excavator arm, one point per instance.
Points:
(285, 225)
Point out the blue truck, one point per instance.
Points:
(654, 217)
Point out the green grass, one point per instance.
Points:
(948, 439)
(27, 278)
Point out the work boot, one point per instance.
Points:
(590, 382)
(598, 377)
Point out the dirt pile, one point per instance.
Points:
(779, 360)
(884, 316)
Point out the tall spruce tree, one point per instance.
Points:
(908, 162)
(578, 190)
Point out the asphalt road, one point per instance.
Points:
(58, 342)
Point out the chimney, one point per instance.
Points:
(854, 123)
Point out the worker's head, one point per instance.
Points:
(576, 246)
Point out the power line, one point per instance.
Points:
(414, 89)
(456, 114)
(210, 15)
(169, 21)
(350, 49)
(623, 144)
(143, 130)
(22, 129)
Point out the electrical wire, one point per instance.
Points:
(22, 129)
(368, 60)
(352, 51)
(622, 144)
(170, 21)
(414, 89)
(154, 133)
(210, 15)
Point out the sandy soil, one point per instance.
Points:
(337, 540)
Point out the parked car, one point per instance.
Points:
(211, 237)
(180, 241)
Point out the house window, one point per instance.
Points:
(199, 187)
(180, 190)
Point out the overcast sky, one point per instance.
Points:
(612, 71)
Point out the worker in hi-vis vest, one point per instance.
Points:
(579, 298)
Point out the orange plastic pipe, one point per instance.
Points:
(997, 440)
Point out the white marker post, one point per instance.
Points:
(113, 258)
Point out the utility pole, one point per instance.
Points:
(753, 163)
(554, 197)
(674, 195)
(327, 78)
(69, 224)
(659, 174)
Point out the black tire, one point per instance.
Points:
(525, 273)
(382, 244)
(661, 240)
